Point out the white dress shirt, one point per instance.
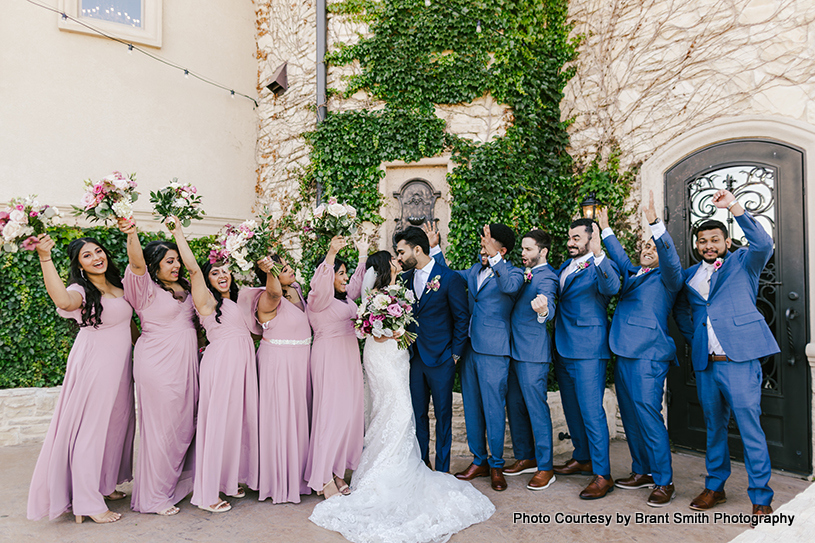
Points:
(420, 278)
(541, 316)
(657, 230)
(483, 274)
(701, 282)
(576, 262)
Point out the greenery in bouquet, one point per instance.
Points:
(177, 200)
(245, 244)
(333, 219)
(22, 221)
(387, 313)
(110, 198)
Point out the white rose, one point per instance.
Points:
(87, 199)
(337, 210)
(381, 301)
(17, 216)
(351, 211)
(409, 296)
(318, 212)
(180, 203)
(121, 184)
(12, 230)
(122, 209)
(233, 243)
(250, 224)
(174, 185)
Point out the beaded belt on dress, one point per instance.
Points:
(288, 341)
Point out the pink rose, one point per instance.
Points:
(375, 318)
(395, 310)
(3, 216)
(30, 243)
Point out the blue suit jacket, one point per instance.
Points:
(441, 315)
(731, 304)
(491, 306)
(530, 341)
(581, 323)
(639, 328)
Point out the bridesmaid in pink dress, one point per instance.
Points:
(336, 372)
(165, 370)
(285, 383)
(226, 441)
(89, 445)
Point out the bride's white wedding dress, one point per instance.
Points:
(395, 498)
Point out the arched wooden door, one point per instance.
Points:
(767, 178)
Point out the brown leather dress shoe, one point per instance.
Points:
(521, 466)
(635, 480)
(598, 488)
(707, 499)
(497, 481)
(573, 466)
(661, 496)
(473, 471)
(541, 480)
(762, 509)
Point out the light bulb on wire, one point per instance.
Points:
(478, 27)
(187, 74)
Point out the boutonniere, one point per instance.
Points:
(583, 265)
(527, 275)
(718, 264)
(433, 284)
(646, 270)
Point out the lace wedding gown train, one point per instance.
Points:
(395, 498)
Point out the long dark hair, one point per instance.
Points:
(338, 263)
(154, 253)
(206, 267)
(92, 310)
(380, 261)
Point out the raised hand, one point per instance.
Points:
(173, 224)
(595, 242)
(602, 217)
(44, 246)
(265, 264)
(363, 244)
(396, 269)
(489, 244)
(540, 304)
(722, 198)
(128, 226)
(650, 211)
(432, 232)
(336, 245)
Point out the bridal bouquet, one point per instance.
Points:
(387, 313)
(110, 198)
(22, 221)
(334, 219)
(245, 244)
(179, 200)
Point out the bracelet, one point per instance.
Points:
(731, 204)
(48, 260)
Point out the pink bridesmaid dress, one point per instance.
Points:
(283, 367)
(165, 370)
(89, 445)
(226, 439)
(336, 374)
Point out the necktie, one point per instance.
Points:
(704, 288)
(419, 283)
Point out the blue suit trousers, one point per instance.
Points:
(640, 384)
(484, 391)
(735, 386)
(530, 422)
(582, 385)
(436, 382)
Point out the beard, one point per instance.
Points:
(719, 254)
(579, 250)
(408, 262)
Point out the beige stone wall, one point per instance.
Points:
(286, 33)
(651, 70)
(25, 414)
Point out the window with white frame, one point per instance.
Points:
(137, 21)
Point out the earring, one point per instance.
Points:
(82, 273)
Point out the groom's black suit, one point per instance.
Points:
(442, 316)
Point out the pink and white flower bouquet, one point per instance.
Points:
(334, 219)
(245, 244)
(22, 221)
(179, 200)
(110, 198)
(387, 313)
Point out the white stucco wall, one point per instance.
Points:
(74, 106)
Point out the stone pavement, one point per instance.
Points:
(251, 520)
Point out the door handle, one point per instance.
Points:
(789, 315)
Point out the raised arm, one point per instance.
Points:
(201, 295)
(322, 282)
(134, 251)
(613, 246)
(434, 238)
(354, 288)
(607, 272)
(67, 300)
(761, 244)
(269, 301)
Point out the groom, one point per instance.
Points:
(442, 317)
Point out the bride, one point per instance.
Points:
(395, 497)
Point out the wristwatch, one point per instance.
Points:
(655, 222)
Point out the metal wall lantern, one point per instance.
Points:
(590, 205)
(279, 82)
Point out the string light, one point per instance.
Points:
(478, 27)
(131, 47)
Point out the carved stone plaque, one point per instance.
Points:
(417, 202)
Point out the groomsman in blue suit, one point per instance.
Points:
(716, 312)
(442, 317)
(587, 282)
(492, 285)
(530, 422)
(640, 339)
